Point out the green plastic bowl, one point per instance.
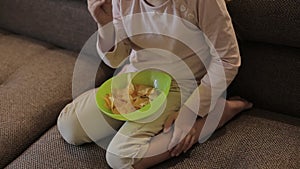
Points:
(157, 79)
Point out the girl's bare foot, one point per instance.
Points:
(239, 103)
(233, 106)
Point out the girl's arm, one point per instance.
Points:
(112, 45)
(215, 23)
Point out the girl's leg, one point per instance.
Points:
(82, 122)
(131, 142)
(160, 142)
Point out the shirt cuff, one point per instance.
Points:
(105, 39)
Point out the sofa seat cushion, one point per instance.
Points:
(35, 84)
(250, 140)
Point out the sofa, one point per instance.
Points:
(44, 43)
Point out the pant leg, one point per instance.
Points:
(160, 142)
(131, 143)
(81, 121)
(212, 121)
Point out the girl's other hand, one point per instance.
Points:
(188, 141)
(169, 122)
(101, 11)
(186, 132)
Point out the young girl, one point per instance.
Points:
(141, 144)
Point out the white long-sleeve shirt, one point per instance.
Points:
(192, 40)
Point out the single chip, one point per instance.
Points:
(131, 89)
(108, 101)
(140, 102)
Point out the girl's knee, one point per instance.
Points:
(119, 162)
(116, 161)
(70, 128)
(124, 153)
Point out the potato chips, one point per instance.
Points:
(130, 99)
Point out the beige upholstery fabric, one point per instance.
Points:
(248, 141)
(65, 23)
(35, 84)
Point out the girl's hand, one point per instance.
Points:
(186, 132)
(188, 141)
(101, 11)
(169, 122)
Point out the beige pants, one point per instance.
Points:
(82, 122)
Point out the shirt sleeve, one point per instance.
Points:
(215, 23)
(112, 44)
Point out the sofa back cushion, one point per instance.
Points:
(269, 77)
(65, 23)
(269, 39)
(271, 21)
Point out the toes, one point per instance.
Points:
(240, 103)
(248, 105)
